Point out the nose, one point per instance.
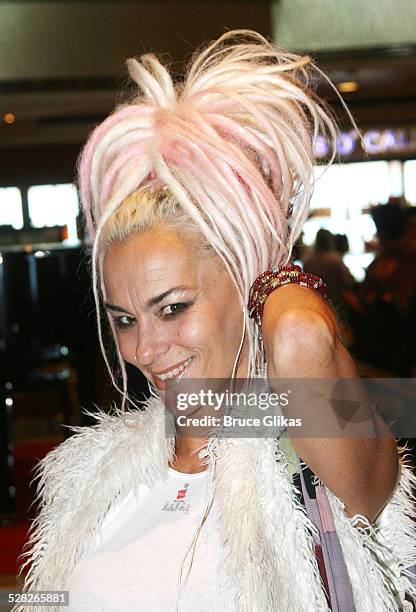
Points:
(151, 344)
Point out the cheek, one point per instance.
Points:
(213, 328)
(192, 331)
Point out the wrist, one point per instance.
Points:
(269, 281)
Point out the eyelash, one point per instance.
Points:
(182, 306)
(118, 321)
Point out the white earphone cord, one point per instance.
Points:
(193, 543)
(210, 497)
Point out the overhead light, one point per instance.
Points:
(348, 86)
(9, 118)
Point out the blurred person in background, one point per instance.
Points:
(326, 262)
(409, 232)
(386, 334)
(342, 244)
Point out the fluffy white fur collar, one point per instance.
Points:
(267, 536)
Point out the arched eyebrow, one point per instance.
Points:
(152, 301)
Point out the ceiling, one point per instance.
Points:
(386, 93)
(67, 67)
(62, 64)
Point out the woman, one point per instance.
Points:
(191, 191)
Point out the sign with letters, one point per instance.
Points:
(388, 142)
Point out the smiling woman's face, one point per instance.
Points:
(177, 311)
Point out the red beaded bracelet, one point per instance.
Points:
(274, 278)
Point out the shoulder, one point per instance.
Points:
(79, 458)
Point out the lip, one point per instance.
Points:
(170, 382)
(172, 367)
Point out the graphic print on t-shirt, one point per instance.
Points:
(180, 503)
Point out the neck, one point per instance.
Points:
(186, 459)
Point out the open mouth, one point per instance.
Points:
(172, 377)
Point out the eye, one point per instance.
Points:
(173, 309)
(123, 322)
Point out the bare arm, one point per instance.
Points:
(302, 340)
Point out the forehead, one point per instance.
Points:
(151, 258)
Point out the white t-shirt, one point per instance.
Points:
(136, 561)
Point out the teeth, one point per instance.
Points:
(175, 371)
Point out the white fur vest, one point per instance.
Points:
(267, 537)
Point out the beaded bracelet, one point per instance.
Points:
(274, 278)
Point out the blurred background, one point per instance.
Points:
(62, 66)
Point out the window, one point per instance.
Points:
(409, 175)
(51, 205)
(342, 196)
(11, 207)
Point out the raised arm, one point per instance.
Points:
(302, 340)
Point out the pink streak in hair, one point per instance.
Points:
(230, 127)
(89, 150)
(242, 134)
(209, 141)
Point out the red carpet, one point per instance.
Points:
(13, 537)
(26, 457)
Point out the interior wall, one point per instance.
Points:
(324, 25)
(38, 164)
(47, 39)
